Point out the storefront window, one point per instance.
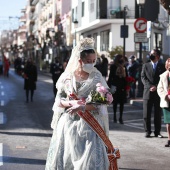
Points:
(104, 40)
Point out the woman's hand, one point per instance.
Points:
(75, 108)
(76, 102)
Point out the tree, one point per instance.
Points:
(116, 50)
(166, 5)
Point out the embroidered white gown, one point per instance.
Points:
(74, 145)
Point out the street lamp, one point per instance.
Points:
(75, 26)
(140, 3)
(124, 30)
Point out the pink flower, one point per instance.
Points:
(168, 92)
(109, 98)
(101, 89)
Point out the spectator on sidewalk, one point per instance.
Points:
(132, 69)
(163, 90)
(104, 66)
(65, 63)
(117, 78)
(56, 69)
(150, 78)
(98, 64)
(6, 66)
(1, 66)
(30, 77)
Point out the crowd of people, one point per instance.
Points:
(76, 79)
(74, 85)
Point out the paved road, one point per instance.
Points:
(25, 130)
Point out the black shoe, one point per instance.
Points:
(158, 136)
(167, 144)
(121, 121)
(148, 135)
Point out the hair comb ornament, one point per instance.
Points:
(85, 44)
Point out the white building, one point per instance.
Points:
(102, 21)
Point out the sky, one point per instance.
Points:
(10, 8)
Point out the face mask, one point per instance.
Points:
(152, 57)
(88, 68)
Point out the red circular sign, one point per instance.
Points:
(140, 25)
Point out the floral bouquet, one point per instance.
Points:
(24, 75)
(130, 81)
(100, 96)
(168, 91)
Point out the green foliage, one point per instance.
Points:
(116, 50)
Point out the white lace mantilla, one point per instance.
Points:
(74, 145)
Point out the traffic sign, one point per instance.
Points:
(140, 25)
(124, 31)
(149, 27)
(140, 37)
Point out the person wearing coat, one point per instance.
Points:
(117, 78)
(150, 79)
(30, 78)
(163, 90)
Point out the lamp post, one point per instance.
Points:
(75, 26)
(124, 30)
(140, 3)
(125, 27)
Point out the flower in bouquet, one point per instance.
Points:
(168, 91)
(24, 75)
(100, 95)
(130, 81)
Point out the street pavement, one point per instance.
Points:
(137, 152)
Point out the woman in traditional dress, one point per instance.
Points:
(74, 145)
(163, 90)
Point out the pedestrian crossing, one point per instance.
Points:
(138, 123)
(1, 152)
(2, 118)
(2, 103)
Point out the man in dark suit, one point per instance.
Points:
(150, 78)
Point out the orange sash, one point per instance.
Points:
(113, 153)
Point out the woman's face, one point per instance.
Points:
(89, 59)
